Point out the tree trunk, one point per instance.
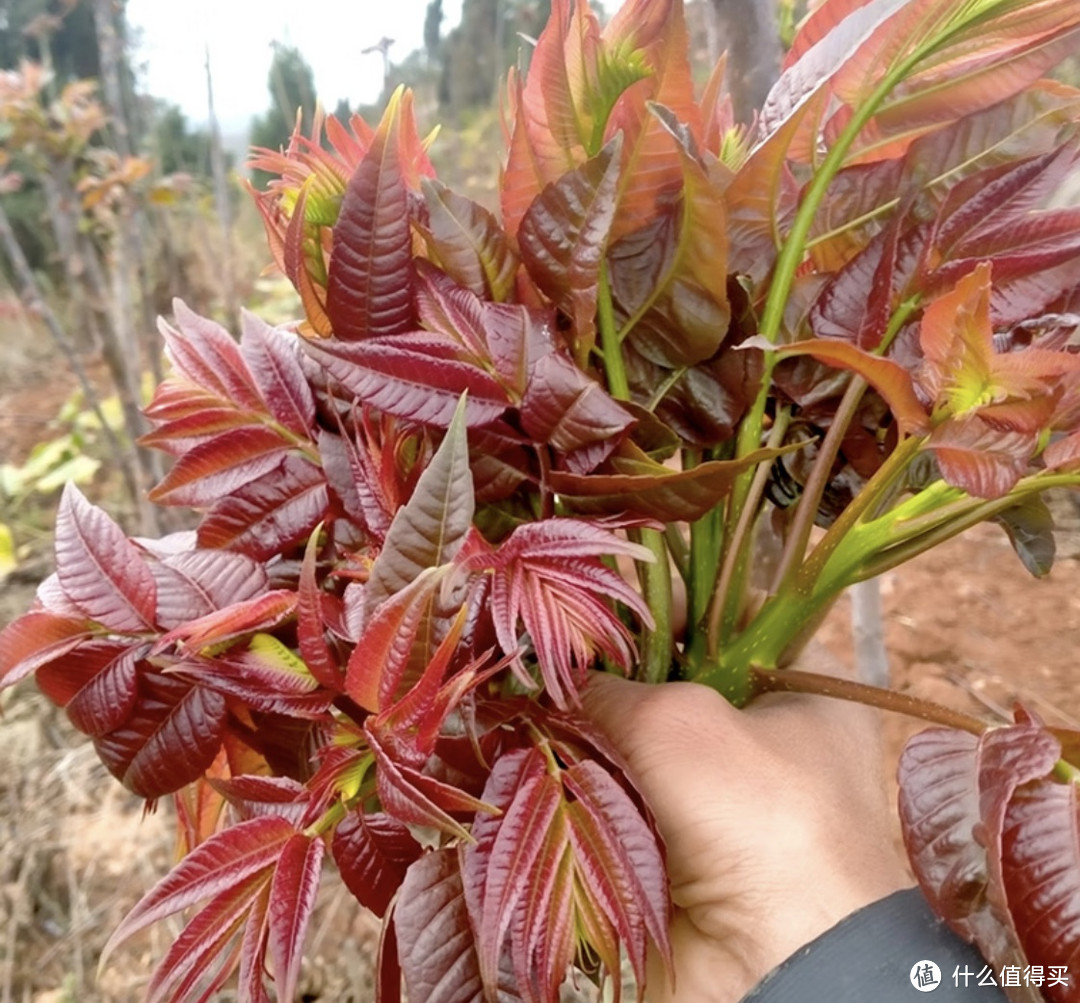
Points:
(747, 29)
(124, 349)
(31, 296)
(111, 55)
(221, 202)
(868, 628)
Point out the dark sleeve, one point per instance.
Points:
(871, 954)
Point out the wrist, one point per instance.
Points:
(742, 947)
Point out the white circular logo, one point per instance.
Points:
(925, 976)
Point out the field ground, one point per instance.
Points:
(966, 626)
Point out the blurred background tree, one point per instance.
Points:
(291, 84)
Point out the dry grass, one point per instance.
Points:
(76, 852)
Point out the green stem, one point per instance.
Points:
(727, 593)
(610, 348)
(658, 643)
(704, 551)
(666, 384)
(1065, 772)
(334, 814)
(883, 479)
(914, 538)
(678, 550)
(787, 264)
(762, 642)
(791, 254)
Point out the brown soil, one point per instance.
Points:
(966, 626)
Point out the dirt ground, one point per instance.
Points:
(965, 625)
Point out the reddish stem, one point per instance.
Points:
(797, 681)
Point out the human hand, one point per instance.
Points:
(775, 820)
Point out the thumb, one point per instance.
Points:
(611, 703)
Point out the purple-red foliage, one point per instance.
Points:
(412, 505)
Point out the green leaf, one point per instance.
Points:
(8, 561)
(429, 529)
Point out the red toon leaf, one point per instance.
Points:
(416, 798)
(274, 362)
(270, 514)
(225, 626)
(652, 168)
(566, 408)
(215, 469)
(370, 288)
(631, 483)
(1040, 862)
(569, 864)
(250, 976)
(435, 941)
(982, 460)
(429, 529)
(169, 739)
(372, 853)
(418, 376)
(201, 959)
(205, 354)
(100, 570)
(96, 685)
(1064, 454)
(563, 238)
(628, 846)
(888, 378)
(508, 338)
(223, 862)
(35, 639)
(466, 241)
(309, 623)
(258, 880)
(955, 795)
(194, 583)
(292, 898)
(382, 653)
(548, 576)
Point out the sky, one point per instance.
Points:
(239, 33)
(331, 35)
